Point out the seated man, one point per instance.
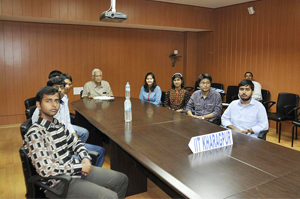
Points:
(246, 115)
(206, 102)
(63, 116)
(50, 146)
(96, 87)
(257, 87)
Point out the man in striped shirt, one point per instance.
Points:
(50, 146)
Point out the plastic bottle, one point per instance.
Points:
(127, 90)
(127, 104)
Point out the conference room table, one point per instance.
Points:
(155, 146)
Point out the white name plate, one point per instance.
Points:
(211, 141)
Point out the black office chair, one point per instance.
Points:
(34, 186)
(29, 111)
(162, 99)
(296, 124)
(263, 134)
(30, 102)
(28, 123)
(232, 91)
(286, 103)
(189, 89)
(266, 97)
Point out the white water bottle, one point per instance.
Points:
(127, 104)
(127, 90)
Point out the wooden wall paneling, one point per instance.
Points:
(17, 79)
(7, 7)
(80, 10)
(3, 80)
(9, 69)
(63, 9)
(124, 8)
(33, 58)
(191, 58)
(88, 10)
(63, 46)
(56, 48)
(17, 7)
(27, 8)
(1, 7)
(36, 8)
(71, 9)
(46, 8)
(296, 72)
(41, 69)
(55, 8)
(26, 64)
(90, 54)
(71, 62)
(95, 10)
(136, 56)
(49, 48)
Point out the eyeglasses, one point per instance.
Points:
(97, 75)
(70, 85)
(203, 83)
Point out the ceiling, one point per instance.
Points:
(207, 3)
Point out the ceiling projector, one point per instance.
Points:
(110, 16)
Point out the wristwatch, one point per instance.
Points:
(203, 117)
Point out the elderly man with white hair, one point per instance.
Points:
(96, 87)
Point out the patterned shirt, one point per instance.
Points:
(50, 147)
(176, 99)
(203, 106)
(91, 88)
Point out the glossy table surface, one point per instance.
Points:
(158, 139)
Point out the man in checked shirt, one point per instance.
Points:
(50, 146)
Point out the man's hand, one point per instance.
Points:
(109, 94)
(91, 96)
(86, 167)
(179, 110)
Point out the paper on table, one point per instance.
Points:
(225, 104)
(104, 98)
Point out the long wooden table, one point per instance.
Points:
(155, 146)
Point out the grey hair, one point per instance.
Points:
(96, 70)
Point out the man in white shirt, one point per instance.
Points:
(257, 87)
(246, 115)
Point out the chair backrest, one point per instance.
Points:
(32, 191)
(162, 99)
(30, 102)
(25, 127)
(29, 111)
(265, 95)
(285, 99)
(196, 86)
(217, 85)
(231, 91)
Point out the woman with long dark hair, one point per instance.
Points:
(150, 92)
(177, 97)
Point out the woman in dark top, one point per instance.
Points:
(177, 97)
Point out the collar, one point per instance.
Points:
(62, 101)
(95, 85)
(208, 96)
(46, 123)
(252, 102)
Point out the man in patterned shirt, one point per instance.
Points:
(50, 146)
